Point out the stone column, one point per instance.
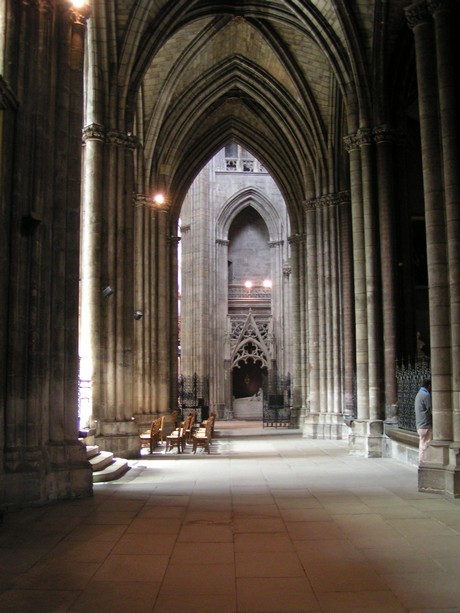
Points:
(298, 346)
(372, 275)
(348, 351)
(92, 282)
(223, 403)
(43, 459)
(440, 471)
(450, 125)
(323, 267)
(422, 25)
(163, 274)
(335, 266)
(173, 241)
(359, 278)
(367, 430)
(286, 314)
(109, 263)
(319, 287)
(384, 138)
(142, 408)
(8, 108)
(312, 356)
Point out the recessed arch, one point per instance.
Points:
(249, 196)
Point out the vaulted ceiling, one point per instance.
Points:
(287, 79)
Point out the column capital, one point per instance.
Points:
(122, 139)
(222, 242)
(364, 137)
(437, 6)
(142, 200)
(296, 239)
(93, 131)
(310, 205)
(351, 142)
(417, 14)
(343, 197)
(185, 228)
(273, 244)
(361, 138)
(287, 270)
(384, 134)
(327, 200)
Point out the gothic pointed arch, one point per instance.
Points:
(251, 340)
(254, 197)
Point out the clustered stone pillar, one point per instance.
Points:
(384, 139)
(366, 437)
(298, 324)
(107, 320)
(222, 403)
(438, 105)
(348, 310)
(43, 459)
(155, 302)
(324, 379)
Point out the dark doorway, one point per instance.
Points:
(247, 380)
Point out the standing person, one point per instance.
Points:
(423, 417)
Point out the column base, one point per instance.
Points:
(46, 474)
(440, 472)
(325, 426)
(119, 437)
(366, 438)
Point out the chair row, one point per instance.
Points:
(185, 433)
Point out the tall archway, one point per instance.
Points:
(233, 232)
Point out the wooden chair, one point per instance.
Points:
(203, 436)
(189, 427)
(212, 417)
(153, 435)
(177, 438)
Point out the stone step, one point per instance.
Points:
(101, 460)
(92, 451)
(115, 470)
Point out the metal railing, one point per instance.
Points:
(408, 380)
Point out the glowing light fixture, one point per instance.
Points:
(79, 4)
(159, 199)
(248, 284)
(267, 283)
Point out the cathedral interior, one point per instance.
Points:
(243, 209)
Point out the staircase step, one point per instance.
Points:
(101, 460)
(92, 451)
(115, 470)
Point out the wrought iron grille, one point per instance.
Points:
(193, 394)
(276, 401)
(408, 380)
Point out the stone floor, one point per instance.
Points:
(268, 522)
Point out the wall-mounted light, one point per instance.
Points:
(107, 291)
(159, 199)
(248, 284)
(80, 9)
(137, 315)
(267, 283)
